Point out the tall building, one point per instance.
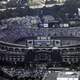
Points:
(40, 2)
(60, 1)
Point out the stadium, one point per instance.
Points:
(39, 40)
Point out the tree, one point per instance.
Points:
(71, 5)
